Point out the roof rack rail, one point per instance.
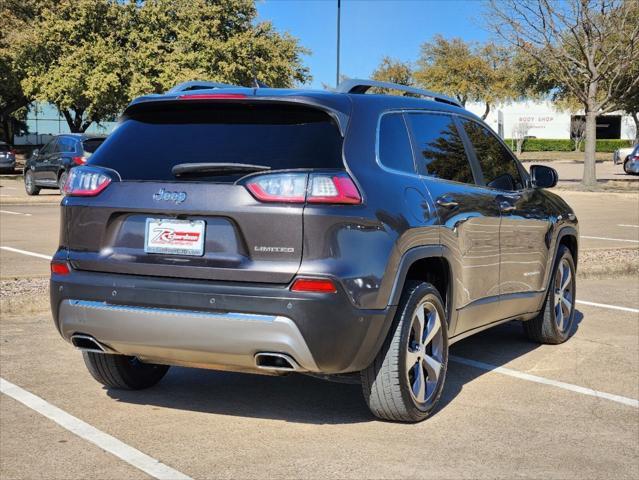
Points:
(199, 85)
(362, 86)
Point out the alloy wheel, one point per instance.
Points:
(424, 355)
(564, 295)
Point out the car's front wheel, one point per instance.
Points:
(555, 322)
(406, 379)
(120, 371)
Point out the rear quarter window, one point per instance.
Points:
(147, 145)
(394, 143)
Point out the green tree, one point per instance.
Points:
(584, 47)
(91, 57)
(393, 71)
(467, 71)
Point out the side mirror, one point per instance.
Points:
(35, 153)
(543, 177)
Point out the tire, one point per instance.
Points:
(390, 384)
(625, 167)
(29, 184)
(62, 179)
(555, 322)
(122, 372)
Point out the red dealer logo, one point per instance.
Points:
(168, 235)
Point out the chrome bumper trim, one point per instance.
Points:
(225, 339)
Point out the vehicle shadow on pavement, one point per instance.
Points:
(303, 399)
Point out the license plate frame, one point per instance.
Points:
(161, 236)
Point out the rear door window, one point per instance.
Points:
(148, 144)
(497, 163)
(90, 146)
(66, 145)
(440, 150)
(394, 143)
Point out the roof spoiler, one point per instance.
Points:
(199, 85)
(362, 86)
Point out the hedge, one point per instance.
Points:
(563, 145)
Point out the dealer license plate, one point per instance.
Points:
(174, 237)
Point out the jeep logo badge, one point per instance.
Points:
(177, 197)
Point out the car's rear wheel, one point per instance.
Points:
(406, 379)
(62, 179)
(555, 322)
(626, 167)
(29, 183)
(120, 371)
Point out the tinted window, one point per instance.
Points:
(497, 164)
(91, 145)
(148, 144)
(48, 148)
(394, 143)
(66, 145)
(440, 150)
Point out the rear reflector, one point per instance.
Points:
(336, 188)
(59, 268)
(212, 96)
(317, 285)
(79, 160)
(86, 182)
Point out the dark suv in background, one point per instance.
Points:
(338, 234)
(50, 166)
(7, 158)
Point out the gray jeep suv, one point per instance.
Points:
(338, 234)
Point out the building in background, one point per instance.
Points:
(44, 121)
(546, 121)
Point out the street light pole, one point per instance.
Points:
(339, 8)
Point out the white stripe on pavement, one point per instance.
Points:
(625, 225)
(106, 442)
(610, 239)
(612, 307)
(25, 252)
(546, 381)
(9, 212)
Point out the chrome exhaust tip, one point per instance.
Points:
(87, 343)
(279, 362)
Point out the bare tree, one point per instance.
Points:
(585, 46)
(578, 132)
(520, 133)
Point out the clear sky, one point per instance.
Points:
(370, 29)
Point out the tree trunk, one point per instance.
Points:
(75, 121)
(635, 117)
(486, 111)
(590, 173)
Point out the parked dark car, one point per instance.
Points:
(7, 158)
(49, 166)
(344, 235)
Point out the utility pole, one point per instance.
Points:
(339, 9)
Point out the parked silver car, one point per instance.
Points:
(7, 158)
(623, 156)
(631, 162)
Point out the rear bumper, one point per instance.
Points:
(217, 324)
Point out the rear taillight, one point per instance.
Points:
(327, 188)
(86, 181)
(79, 160)
(59, 268)
(313, 285)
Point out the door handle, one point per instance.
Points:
(446, 202)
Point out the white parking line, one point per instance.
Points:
(612, 307)
(625, 225)
(610, 239)
(546, 381)
(106, 442)
(9, 212)
(25, 252)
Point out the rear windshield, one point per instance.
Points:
(89, 146)
(148, 144)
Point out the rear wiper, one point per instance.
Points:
(216, 168)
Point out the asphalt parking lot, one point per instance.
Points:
(510, 408)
